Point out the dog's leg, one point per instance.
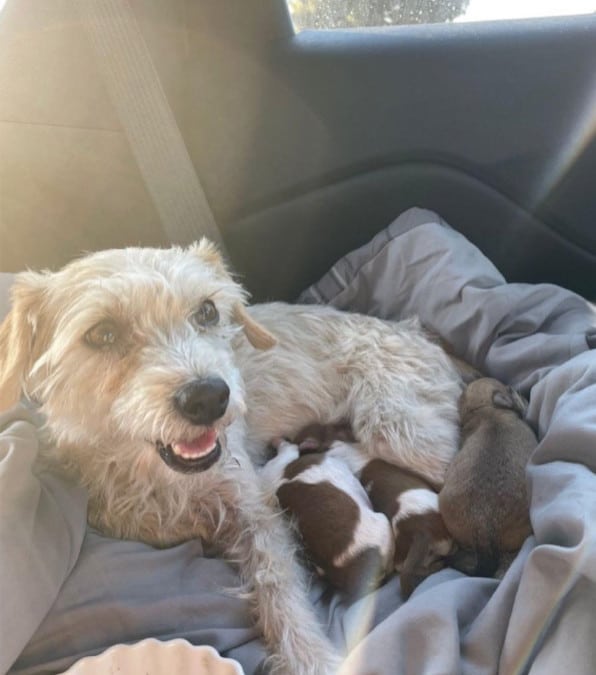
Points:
(429, 460)
(264, 551)
(417, 432)
(402, 396)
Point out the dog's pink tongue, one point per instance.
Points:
(199, 446)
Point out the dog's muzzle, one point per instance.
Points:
(201, 402)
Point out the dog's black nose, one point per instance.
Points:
(202, 401)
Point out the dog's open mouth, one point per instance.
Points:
(191, 456)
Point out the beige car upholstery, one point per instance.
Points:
(5, 283)
(68, 181)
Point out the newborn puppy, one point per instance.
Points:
(484, 501)
(349, 544)
(422, 542)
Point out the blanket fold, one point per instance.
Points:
(42, 524)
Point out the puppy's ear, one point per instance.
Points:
(208, 253)
(510, 400)
(258, 336)
(520, 405)
(18, 334)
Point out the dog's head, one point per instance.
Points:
(131, 348)
(421, 548)
(488, 393)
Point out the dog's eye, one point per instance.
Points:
(206, 315)
(103, 335)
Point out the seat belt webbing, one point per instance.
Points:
(149, 123)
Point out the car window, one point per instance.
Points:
(308, 14)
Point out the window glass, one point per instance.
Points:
(361, 13)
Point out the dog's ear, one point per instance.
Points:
(258, 336)
(207, 251)
(510, 400)
(18, 334)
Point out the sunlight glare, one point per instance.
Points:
(580, 136)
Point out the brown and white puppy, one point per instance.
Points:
(485, 502)
(349, 544)
(422, 542)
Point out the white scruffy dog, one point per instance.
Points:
(156, 382)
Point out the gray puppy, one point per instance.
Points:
(484, 501)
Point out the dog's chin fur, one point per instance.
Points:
(134, 494)
(108, 406)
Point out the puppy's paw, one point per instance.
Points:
(281, 444)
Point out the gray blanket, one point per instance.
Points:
(68, 592)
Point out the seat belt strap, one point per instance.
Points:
(148, 121)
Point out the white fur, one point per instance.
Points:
(373, 530)
(417, 502)
(350, 454)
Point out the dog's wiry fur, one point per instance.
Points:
(108, 408)
(397, 389)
